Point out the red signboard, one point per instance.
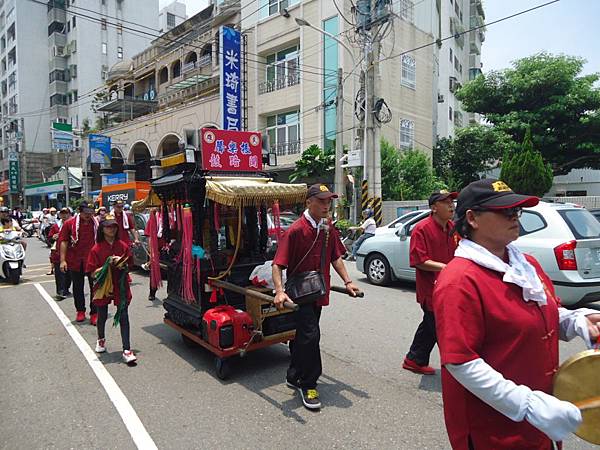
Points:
(226, 150)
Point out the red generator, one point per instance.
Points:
(226, 327)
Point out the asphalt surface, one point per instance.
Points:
(51, 398)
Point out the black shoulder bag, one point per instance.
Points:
(308, 287)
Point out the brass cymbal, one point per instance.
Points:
(578, 380)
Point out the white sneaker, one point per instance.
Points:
(100, 345)
(129, 356)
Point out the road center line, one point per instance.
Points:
(134, 425)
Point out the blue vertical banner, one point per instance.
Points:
(100, 152)
(231, 83)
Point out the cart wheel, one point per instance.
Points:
(222, 368)
(188, 342)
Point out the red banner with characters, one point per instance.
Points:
(227, 150)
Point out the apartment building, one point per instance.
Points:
(165, 94)
(53, 55)
(457, 60)
(171, 15)
(171, 90)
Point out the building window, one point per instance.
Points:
(68, 27)
(120, 52)
(409, 73)
(407, 134)
(58, 99)
(170, 20)
(57, 75)
(451, 56)
(284, 133)
(281, 70)
(456, 63)
(104, 48)
(103, 23)
(330, 68)
(75, 97)
(74, 22)
(270, 7)
(450, 114)
(407, 10)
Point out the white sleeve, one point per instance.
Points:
(554, 417)
(573, 323)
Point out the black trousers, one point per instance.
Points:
(123, 323)
(62, 280)
(305, 367)
(424, 340)
(78, 278)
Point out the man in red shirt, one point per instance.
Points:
(432, 245)
(299, 250)
(126, 223)
(77, 237)
(498, 324)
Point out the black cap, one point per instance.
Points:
(86, 207)
(490, 193)
(320, 191)
(118, 202)
(438, 196)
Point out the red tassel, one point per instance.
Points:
(152, 232)
(277, 218)
(216, 216)
(213, 295)
(187, 288)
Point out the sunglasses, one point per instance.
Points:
(509, 213)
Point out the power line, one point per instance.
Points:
(456, 35)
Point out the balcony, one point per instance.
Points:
(476, 21)
(474, 72)
(128, 108)
(57, 63)
(194, 86)
(286, 148)
(278, 83)
(205, 60)
(457, 29)
(57, 87)
(57, 39)
(477, 5)
(458, 119)
(57, 111)
(474, 43)
(56, 15)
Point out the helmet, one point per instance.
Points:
(45, 210)
(4, 209)
(126, 207)
(53, 209)
(368, 212)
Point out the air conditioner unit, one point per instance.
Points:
(104, 74)
(454, 84)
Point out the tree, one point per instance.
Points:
(525, 171)
(548, 94)
(474, 150)
(314, 163)
(406, 175)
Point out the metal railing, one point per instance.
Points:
(279, 83)
(286, 148)
(204, 60)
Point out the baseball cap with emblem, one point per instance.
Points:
(108, 220)
(320, 191)
(86, 207)
(438, 196)
(490, 193)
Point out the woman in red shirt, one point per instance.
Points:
(108, 262)
(498, 322)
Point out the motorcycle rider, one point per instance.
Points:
(5, 214)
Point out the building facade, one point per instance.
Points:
(291, 84)
(171, 15)
(53, 56)
(456, 60)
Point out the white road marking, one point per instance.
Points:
(134, 425)
(24, 284)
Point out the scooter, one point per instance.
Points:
(29, 226)
(12, 256)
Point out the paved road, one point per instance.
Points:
(51, 398)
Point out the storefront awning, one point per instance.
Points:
(252, 191)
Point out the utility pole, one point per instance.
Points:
(339, 141)
(23, 168)
(67, 187)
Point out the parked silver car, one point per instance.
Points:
(564, 238)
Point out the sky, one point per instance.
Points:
(569, 26)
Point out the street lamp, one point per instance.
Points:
(339, 148)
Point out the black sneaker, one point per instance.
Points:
(151, 298)
(292, 384)
(310, 398)
(67, 293)
(59, 297)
